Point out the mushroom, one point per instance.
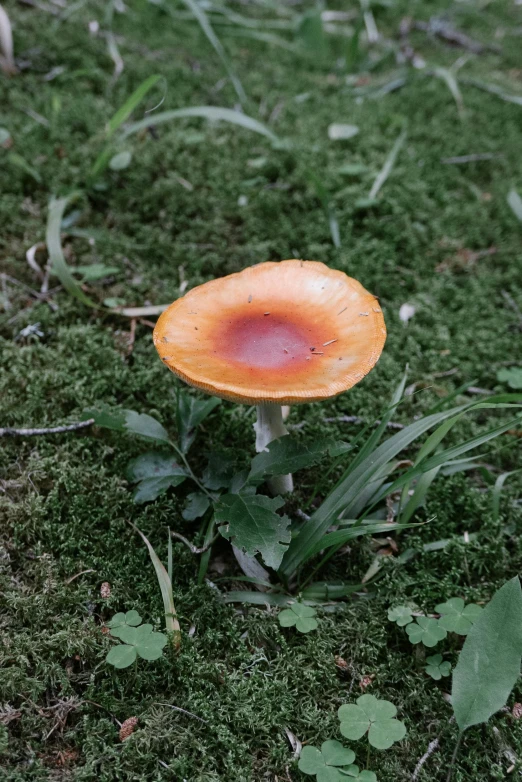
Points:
(271, 335)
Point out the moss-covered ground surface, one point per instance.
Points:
(201, 200)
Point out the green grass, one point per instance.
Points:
(64, 502)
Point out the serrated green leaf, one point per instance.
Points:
(121, 656)
(456, 617)
(425, 630)
(489, 663)
(253, 525)
(154, 464)
(128, 420)
(145, 425)
(287, 455)
(155, 472)
(196, 506)
(151, 488)
(190, 413)
(219, 472)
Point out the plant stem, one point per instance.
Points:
(454, 758)
(368, 756)
(269, 426)
(189, 470)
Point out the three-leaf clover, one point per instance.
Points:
(373, 716)
(324, 763)
(457, 618)
(137, 642)
(121, 620)
(300, 616)
(426, 630)
(436, 668)
(512, 376)
(401, 615)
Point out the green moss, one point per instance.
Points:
(64, 502)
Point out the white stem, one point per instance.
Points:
(269, 426)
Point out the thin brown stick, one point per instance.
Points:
(432, 747)
(52, 430)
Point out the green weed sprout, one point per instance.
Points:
(436, 667)
(136, 641)
(374, 717)
(299, 616)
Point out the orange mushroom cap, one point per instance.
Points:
(287, 332)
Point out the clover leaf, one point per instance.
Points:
(401, 615)
(137, 642)
(352, 772)
(300, 616)
(324, 763)
(436, 668)
(457, 618)
(121, 620)
(426, 630)
(373, 716)
(512, 376)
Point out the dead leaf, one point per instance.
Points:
(464, 259)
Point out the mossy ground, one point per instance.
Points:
(64, 502)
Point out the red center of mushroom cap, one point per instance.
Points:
(266, 341)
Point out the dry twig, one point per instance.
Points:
(52, 430)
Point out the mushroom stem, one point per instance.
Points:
(269, 426)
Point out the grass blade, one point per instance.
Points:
(386, 170)
(353, 482)
(451, 82)
(325, 200)
(165, 585)
(205, 112)
(497, 491)
(130, 104)
(53, 241)
(205, 25)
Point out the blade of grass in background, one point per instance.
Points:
(117, 120)
(386, 170)
(497, 491)
(205, 25)
(324, 198)
(213, 113)
(165, 585)
(53, 241)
